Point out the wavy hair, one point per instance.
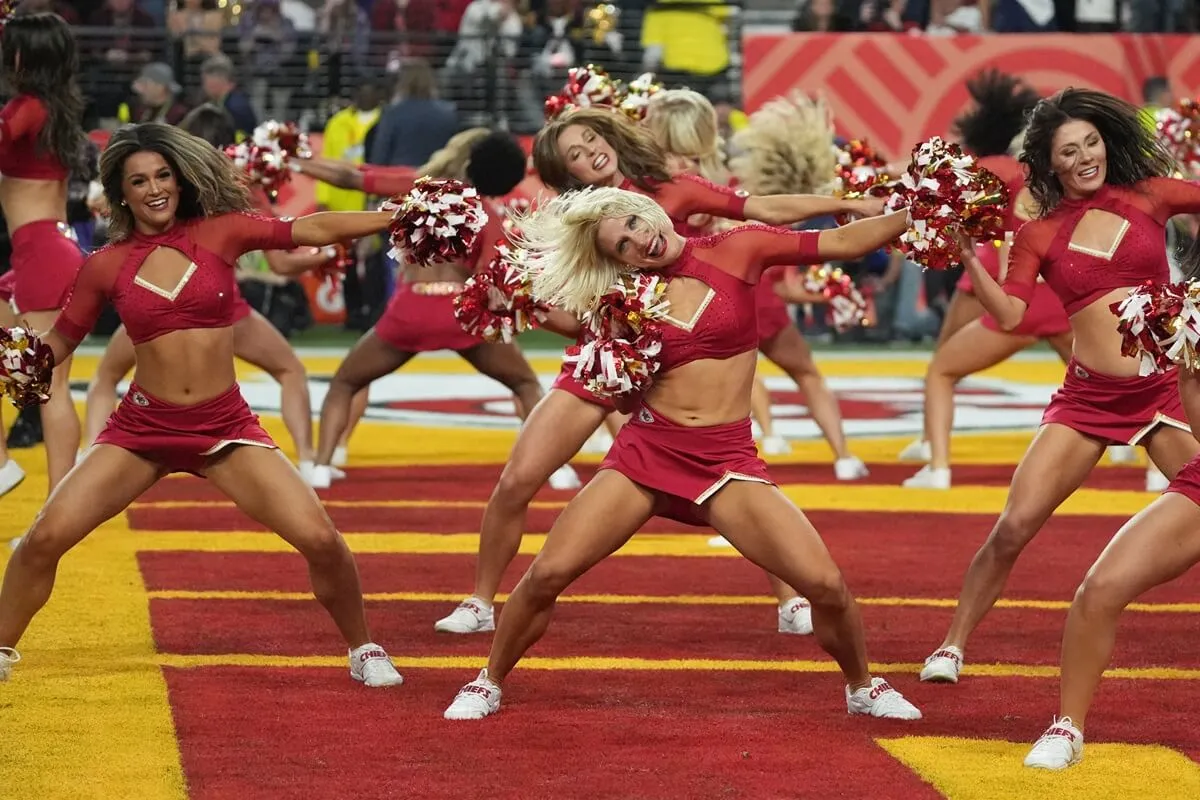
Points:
(569, 271)
(1001, 104)
(1134, 152)
(38, 57)
(639, 157)
(684, 122)
(209, 183)
(787, 147)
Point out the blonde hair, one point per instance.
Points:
(451, 161)
(569, 271)
(787, 147)
(684, 122)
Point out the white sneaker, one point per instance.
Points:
(371, 666)
(850, 468)
(795, 616)
(1122, 454)
(472, 616)
(598, 443)
(775, 446)
(928, 477)
(719, 541)
(880, 700)
(943, 666)
(476, 700)
(1061, 746)
(565, 478)
(320, 477)
(339, 456)
(917, 451)
(8, 657)
(11, 476)
(1155, 481)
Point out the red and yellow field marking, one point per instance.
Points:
(182, 656)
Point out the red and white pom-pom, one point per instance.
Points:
(857, 168)
(512, 209)
(612, 366)
(7, 8)
(497, 303)
(847, 308)
(586, 87)
(1178, 128)
(26, 364)
(266, 156)
(635, 96)
(1160, 325)
(635, 301)
(946, 191)
(438, 221)
(285, 137)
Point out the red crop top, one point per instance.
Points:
(21, 122)
(387, 181)
(1080, 275)
(730, 264)
(685, 195)
(204, 296)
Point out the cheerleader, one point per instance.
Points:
(255, 339)
(594, 147)
(687, 452)
(1098, 177)
(420, 317)
(41, 142)
(179, 221)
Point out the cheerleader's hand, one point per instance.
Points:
(869, 207)
(497, 302)
(966, 248)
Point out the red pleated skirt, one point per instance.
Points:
(684, 466)
(45, 260)
(1117, 411)
(183, 438)
(420, 319)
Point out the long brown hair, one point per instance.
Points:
(639, 157)
(209, 183)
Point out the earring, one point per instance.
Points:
(124, 203)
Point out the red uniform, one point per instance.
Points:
(45, 255)
(8, 282)
(179, 438)
(686, 466)
(1113, 410)
(680, 197)
(1045, 316)
(419, 317)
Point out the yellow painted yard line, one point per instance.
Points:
(817, 497)
(651, 664)
(643, 544)
(667, 599)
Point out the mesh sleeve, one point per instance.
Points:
(93, 286)
(688, 194)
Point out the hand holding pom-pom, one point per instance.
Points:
(847, 308)
(947, 192)
(1160, 325)
(438, 221)
(26, 364)
(497, 302)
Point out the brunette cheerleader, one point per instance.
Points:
(255, 339)
(420, 316)
(593, 147)
(41, 142)
(179, 220)
(687, 452)
(1098, 178)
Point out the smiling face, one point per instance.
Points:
(151, 191)
(588, 157)
(1078, 158)
(637, 242)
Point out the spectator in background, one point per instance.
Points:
(220, 88)
(1021, 16)
(686, 46)
(117, 54)
(952, 17)
(823, 16)
(1156, 94)
(488, 39)
(195, 27)
(345, 41)
(59, 7)
(417, 124)
(268, 42)
(344, 138)
(156, 97)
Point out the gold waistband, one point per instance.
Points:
(437, 288)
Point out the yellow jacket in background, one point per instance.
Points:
(343, 140)
(693, 39)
